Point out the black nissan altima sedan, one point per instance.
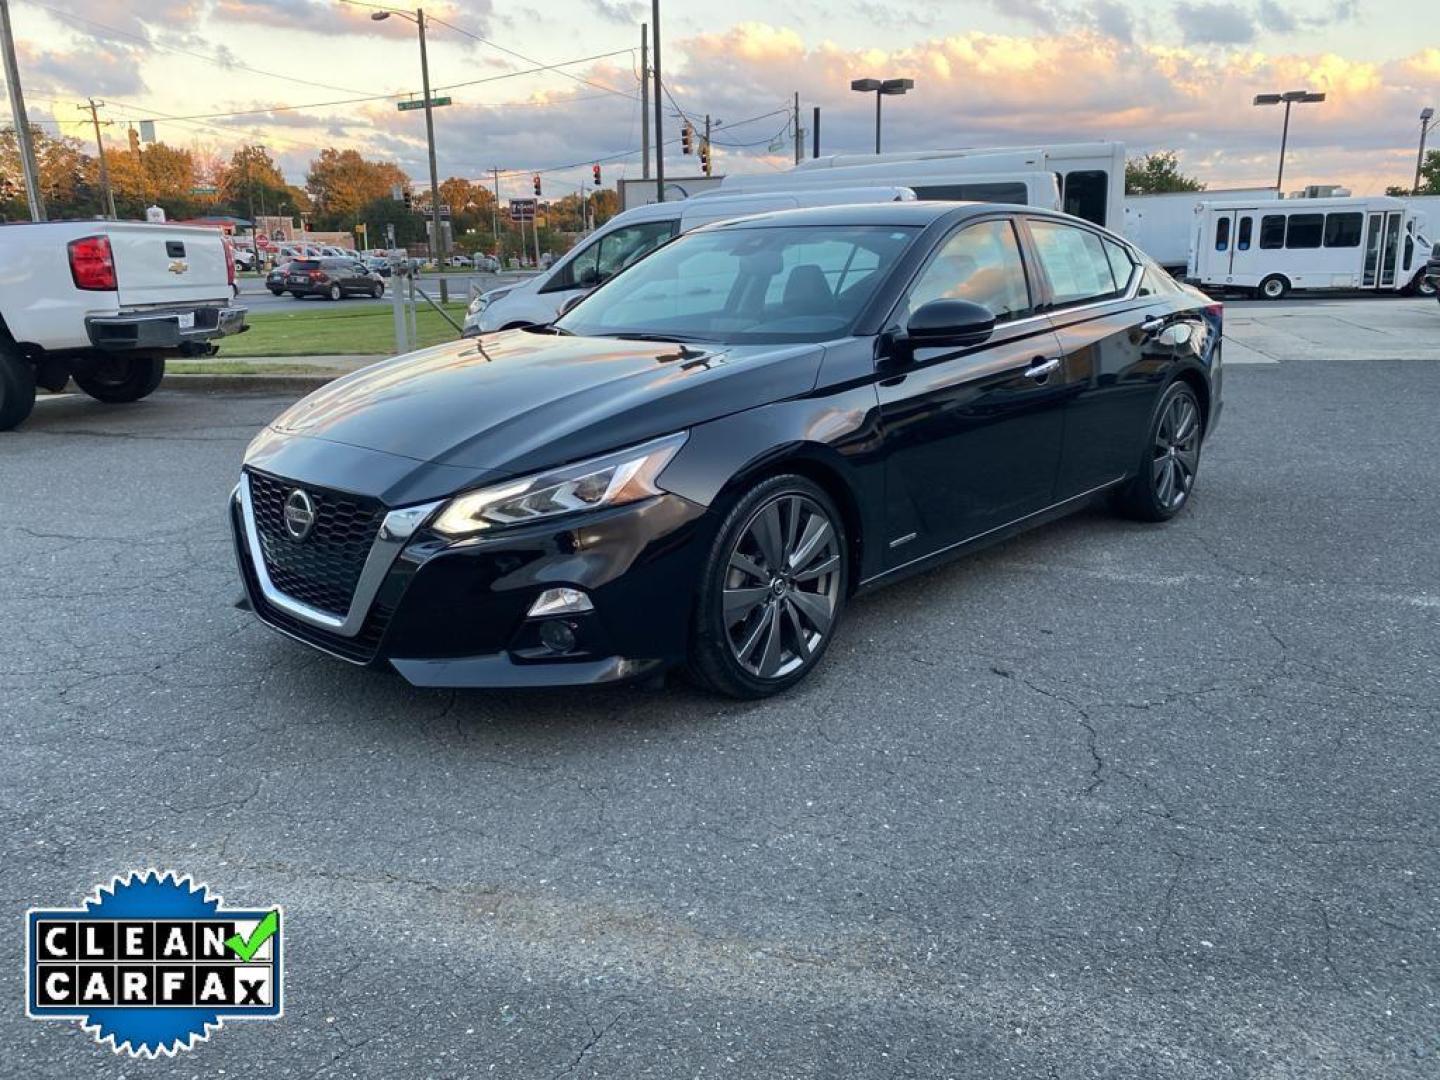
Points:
(704, 460)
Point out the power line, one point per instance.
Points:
(149, 43)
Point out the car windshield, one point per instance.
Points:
(757, 284)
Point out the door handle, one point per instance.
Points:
(1152, 326)
(1042, 366)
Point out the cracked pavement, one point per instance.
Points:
(1109, 800)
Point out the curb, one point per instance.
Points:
(248, 384)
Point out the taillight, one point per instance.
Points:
(229, 265)
(318, 276)
(92, 264)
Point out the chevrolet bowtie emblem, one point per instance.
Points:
(179, 266)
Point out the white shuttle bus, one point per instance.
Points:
(1084, 179)
(1270, 248)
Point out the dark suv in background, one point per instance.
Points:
(332, 279)
(1432, 269)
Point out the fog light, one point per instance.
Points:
(560, 602)
(557, 636)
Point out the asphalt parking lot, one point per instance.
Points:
(1109, 800)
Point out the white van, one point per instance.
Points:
(628, 236)
(1342, 243)
(1088, 178)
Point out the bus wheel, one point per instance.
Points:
(1422, 285)
(1274, 287)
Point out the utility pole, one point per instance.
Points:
(799, 135)
(659, 127)
(708, 151)
(495, 211)
(437, 240)
(95, 107)
(815, 132)
(1427, 115)
(22, 124)
(644, 102)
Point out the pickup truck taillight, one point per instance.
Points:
(92, 264)
(229, 264)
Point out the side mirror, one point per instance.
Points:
(950, 322)
(570, 303)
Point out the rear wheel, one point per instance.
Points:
(117, 379)
(772, 590)
(1274, 287)
(334, 293)
(1165, 478)
(17, 388)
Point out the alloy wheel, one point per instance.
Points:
(1177, 452)
(781, 586)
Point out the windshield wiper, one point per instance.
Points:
(646, 335)
(547, 328)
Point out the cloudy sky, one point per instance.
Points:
(1174, 74)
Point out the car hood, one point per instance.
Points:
(516, 401)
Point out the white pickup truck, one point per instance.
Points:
(104, 303)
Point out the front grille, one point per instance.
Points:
(360, 649)
(323, 569)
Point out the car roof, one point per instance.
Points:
(918, 214)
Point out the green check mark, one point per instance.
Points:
(261, 934)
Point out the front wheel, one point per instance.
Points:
(377, 290)
(1423, 286)
(772, 590)
(1274, 287)
(17, 389)
(278, 292)
(117, 380)
(1166, 476)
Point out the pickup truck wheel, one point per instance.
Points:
(117, 380)
(17, 389)
(334, 293)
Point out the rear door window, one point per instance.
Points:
(1075, 262)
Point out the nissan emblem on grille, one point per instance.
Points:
(299, 514)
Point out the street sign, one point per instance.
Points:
(204, 189)
(435, 103)
(522, 209)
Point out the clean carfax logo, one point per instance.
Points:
(152, 963)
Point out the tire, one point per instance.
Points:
(761, 638)
(278, 292)
(377, 290)
(1422, 286)
(1274, 287)
(1165, 477)
(118, 380)
(17, 389)
(334, 293)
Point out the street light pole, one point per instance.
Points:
(659, 129)
(1290, 97)
(22, 124)
(1426, 116)
(881, 87)
(437, 239)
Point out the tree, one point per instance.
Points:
(252, 183)
(342, 184)
(1156, 173)
(69, 177)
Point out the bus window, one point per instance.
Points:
(1272, 231)
(1304, 230)
(1005, 192)
(1242, 241)
(1342, 230)
(1222, 234)
(1085, 194)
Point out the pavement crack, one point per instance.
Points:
(596, 1034)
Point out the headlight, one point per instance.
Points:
(484, 300)
(623, 477)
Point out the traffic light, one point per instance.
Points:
(536, 179)
(687, 138)
(408, 199)
(705, 156)
(596, 170)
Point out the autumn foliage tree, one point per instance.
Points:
(342, 183)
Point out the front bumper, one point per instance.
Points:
(160, 329)
(455, 613)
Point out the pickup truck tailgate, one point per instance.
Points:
(168, 264)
